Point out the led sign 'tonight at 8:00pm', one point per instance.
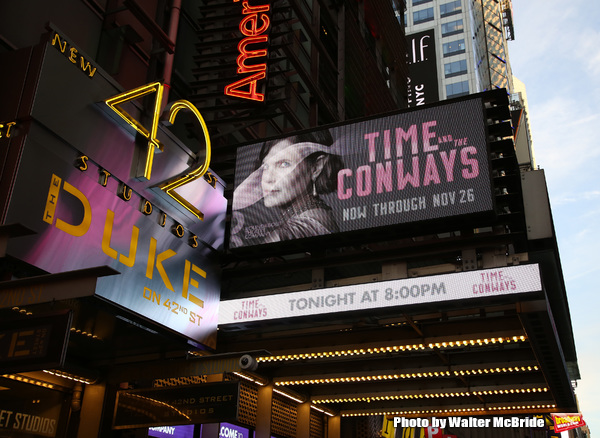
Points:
(414, 166)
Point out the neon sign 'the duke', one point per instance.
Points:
(254, 26)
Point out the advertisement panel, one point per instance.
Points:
(564, 422)
(181, 405)
(439, 288)
(422, 68)
(79, 188)
(34, 343)
(28, 410)
(410, 167)
(171, 431)
(228, 430)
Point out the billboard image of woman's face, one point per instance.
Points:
(284, 175)
(284, 192)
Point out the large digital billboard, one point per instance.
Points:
(98, 188)
(418, 165)
(404, 292)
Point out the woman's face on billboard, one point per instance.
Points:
(285, 175)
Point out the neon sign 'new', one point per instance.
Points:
(254, 26)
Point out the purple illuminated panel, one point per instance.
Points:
(172, 431)
(228, 430)
(410, 167)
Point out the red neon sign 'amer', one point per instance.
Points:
(253, 26)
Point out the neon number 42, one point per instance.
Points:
(170, 186)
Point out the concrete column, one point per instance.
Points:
(303, 421)
(263, 411)
(91, 411)
(333, 426)
(212, 430)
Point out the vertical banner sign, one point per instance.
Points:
(422, 69)
(101, 188)
(253, 53)
(419, 165)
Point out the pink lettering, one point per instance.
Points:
(343, 192)
(431, 172)
(428, 135)
(473, 170)
(371, 144)
(363, 181)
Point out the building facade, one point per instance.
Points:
(470, 39)
(154, 281)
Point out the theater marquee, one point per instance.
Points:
(100, 188)
(414, 166)
(461, 286)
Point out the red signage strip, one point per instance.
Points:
(563, 422)
(254, 26)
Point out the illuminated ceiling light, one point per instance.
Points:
(251, 378)
(295, 398)
(69, 376)
(324, 411)
(388, 349)
(431, 374)
(158, 402)
(418, 396)
(26, 380)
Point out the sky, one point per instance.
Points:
(556, 53)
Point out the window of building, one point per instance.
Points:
(455, 68)
(423, 16)
(454, 47)
(450, 8)
(452, 27)
(420, 2)
(457, 89)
